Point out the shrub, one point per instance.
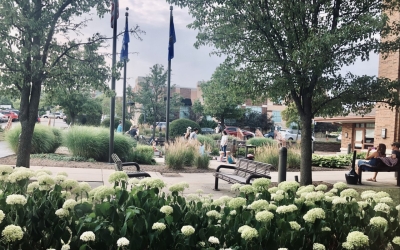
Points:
(180, 152)
(142, 154)
(202, 161)
(93, 142)
(97, 218)
(178, 127)
(331, 161)
(207, 141)
(45, 139)
(261, 141)
(106, 123)
(270, 154)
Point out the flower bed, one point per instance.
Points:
(55, 212)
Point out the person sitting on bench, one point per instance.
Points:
(371, 157)
(395, 156)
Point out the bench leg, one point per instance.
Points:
(216, 184)
(360, 177)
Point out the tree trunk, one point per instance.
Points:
(28, 114)
(306, 150)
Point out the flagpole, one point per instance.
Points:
(124, 90)
(168, 88)
(112, 105)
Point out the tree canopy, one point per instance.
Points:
(294, 51)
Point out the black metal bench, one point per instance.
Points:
(381, 167)
(119, 165)
(244, 171)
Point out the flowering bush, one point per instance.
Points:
(134, 214)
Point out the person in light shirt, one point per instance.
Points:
(224, 142)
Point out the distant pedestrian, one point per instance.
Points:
(224, 142)
(132, 131)
(219, 128)
(193, 135)
(119, 128)
(187, 134)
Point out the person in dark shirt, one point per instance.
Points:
(395, 155)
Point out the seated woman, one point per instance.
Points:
(371, 157)
(155, 149)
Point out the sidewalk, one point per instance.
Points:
(5, 149)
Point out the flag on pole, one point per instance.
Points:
(114, 8)
(125, 41)
(172, 38)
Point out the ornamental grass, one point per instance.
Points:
(180, 153)
(270, 154)
(137, 214)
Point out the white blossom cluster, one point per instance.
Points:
(382, 207)
(247, 189)
(88, 236)
(259, 205)
(213, 240)
(317, 246)
(121, 242)
(273, 190)
(16, 199)
(179, 187)
(69, 204)
(69, 184)
(159, 226)
(166, 210)
(313, 214)
(187, 230)
(261, 183)
(62, 213)
(350, 192)
(236, 187)
(213, 213)
(396, 240)
(12, 233)
(378, 222)
(340, 185)
(313, 196)
(356, 240)
(289, 186)
(286, 209)
(2, 216)
(237, 202)
(248, 233)
(294, 225)
(19, 174)
(152, 183)
(321, 187)
(264, 216)
(118, 176)
(305, 189)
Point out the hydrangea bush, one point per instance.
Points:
(55, 212)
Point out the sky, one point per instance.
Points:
(189, 65)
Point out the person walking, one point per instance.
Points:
(224, 142)
(193, 135)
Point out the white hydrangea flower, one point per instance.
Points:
(273, 190)
(272, 207)
(368, 194)
(65, 247)
(396, 240)
(187, 230)
(152, 183)
(329, 194)
(242, 228)
(289, 186)
(159, 226)
(63, 173)
(350, 192)
(264, 216)
(233, 212)
(19, 174)
(32, 186)
(398, 207)
(193, 197)
(286, 209)
(339, 200)
(69, 204)
(317, 246)
(5, 170)
(386, 200)
(60, 179)
(249, 233)
(340, 185)
(357, 239)
(261, 183)
(314, 196)
(247, 189)
(380, 195)
(362, 204)
(213, 240)
(69, 184)
(277, 197)
(325, 229)
(118, 176)
(236, 187)
(103, 192)
(201, 243)
(334, 191)
(179, 187)
(305, 189)
(16, 199)
(84, 186)
(299, 201)
(321, 187)
(282, 248)
(382, 207)
(378, 221)
(12, 233)
(166, 210)
(46, 180)
(313, 214)
(237, 202)
(214, 213)
(294, 225)
(309, 203)
(133, 181)
(2, 216)
(121, 242)
(259, 205)
(62, 213)
(88, 236)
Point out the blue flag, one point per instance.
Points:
(125, 41)
(172, 39)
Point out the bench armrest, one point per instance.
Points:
(224, 166)
(138, 174)
(131, 164)
(253, 176)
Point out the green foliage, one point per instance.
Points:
(58, 157)
(291, 115)
(255, 120)
(178, 127)
(135, 211)
(93, 142)
(204, 123)
(106, 123)
(180, 153)
(45, 139)
(207, 141)
(202, 161)
(270, 154)
(335, 161)
(261, 141)
(142, 154)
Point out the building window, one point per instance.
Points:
(276, 116)
(184, 112)
(254, 108)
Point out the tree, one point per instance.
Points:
(221, 102)
(255, 120)
(294, 50)
(152, 96)
(196, 111)
(34, 38)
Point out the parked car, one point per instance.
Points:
(291, 135)
(11, 114)
(53, 115)
(205, 131)
(3, 118)
(270, 134)
(233, 131)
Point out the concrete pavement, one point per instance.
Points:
(5, 149)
